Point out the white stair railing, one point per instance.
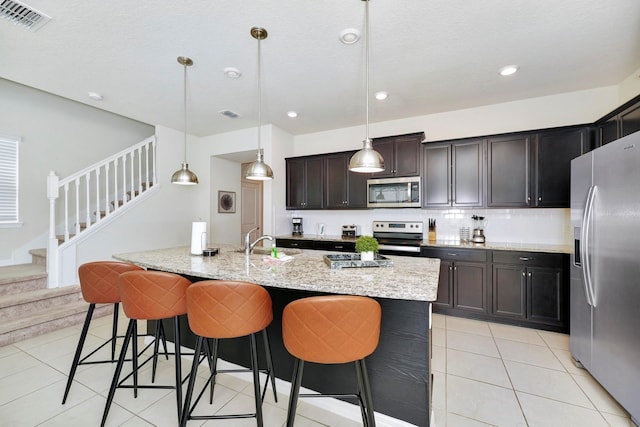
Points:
(93, 196)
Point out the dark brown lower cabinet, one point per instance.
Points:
(521, 288)
(462, 283)
(531, 287)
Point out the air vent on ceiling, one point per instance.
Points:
(230, 114)
(21, 14)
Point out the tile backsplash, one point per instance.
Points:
(540, 226)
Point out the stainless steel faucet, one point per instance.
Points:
(248, 247)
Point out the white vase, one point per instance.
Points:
(366, 256)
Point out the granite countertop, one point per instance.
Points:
(410, 278)
(502, 246)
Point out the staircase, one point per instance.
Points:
(28, 308)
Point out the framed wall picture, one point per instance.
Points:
(226, 201)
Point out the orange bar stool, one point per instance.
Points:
(99, 285)
(330, 330)
(150, 295)
(219, 309)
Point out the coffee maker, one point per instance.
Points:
(479, 224)
(297, 226)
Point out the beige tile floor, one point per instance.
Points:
(484, 374)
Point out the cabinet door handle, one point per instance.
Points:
(450, 268)
(524, 274)
(294, 244)
(338, 246)
(452, 254)
(529, 274)
(524, 258)
(539, 199)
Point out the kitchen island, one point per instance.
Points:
(399, 369)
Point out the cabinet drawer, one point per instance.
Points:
(294, 243)
(538, 259)
(335, 246)
(453, 254)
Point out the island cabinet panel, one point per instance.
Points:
(452, 174)
(343, 189)
(305, 182)
(508, 171)
(532, 287)
(401, 155)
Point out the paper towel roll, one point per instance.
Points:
(198, 237)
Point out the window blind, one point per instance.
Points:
(8, 179)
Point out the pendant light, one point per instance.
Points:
(184, 176)
(259, 170)
(367, 159)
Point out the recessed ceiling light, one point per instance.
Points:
(292, 114)
(95, 96)
(349, 36)
(381, 95)
(508, 70)
(232, 72)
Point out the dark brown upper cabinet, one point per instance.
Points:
(453, 174)
(401, 155)
(305, 182)
(620, 122)
(343, 189)
(551, 165)
(508, 171)
(534, 169)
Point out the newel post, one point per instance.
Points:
(52, 247)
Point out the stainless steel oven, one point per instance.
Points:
(398, 237)
(393, 192)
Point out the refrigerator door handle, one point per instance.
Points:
(584, 246)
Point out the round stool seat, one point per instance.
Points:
(153, 295)
(99, 280)
(331, 329)
(228, 309)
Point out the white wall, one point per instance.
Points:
(57, 135)
(225, 227)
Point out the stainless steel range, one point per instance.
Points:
(398, 237)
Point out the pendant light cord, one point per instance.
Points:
(366, 38)
(185, 112)
(259, 94)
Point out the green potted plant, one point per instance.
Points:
(366, 246)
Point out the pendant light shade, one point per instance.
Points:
(184, 176)
(366, 160)
(259, 170)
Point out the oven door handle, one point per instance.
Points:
(399, 248)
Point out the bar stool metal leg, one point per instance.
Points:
(114, 329)
(296, 380)
(76, 357)
(256, 379)
(116, 375)
(271, 373)
(367, 393)
(178, 365)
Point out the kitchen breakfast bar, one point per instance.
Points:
(399, 369)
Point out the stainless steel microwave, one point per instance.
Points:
(393, 192)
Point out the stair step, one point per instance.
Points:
(15, 279)
(32, 302)
(39, 256)
(51, 319)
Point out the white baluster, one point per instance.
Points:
(106, 189)
(66, 211)
(77, 196)
(87, 219)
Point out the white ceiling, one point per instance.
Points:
(430, 55)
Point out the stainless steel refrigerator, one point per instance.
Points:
(605, 272)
